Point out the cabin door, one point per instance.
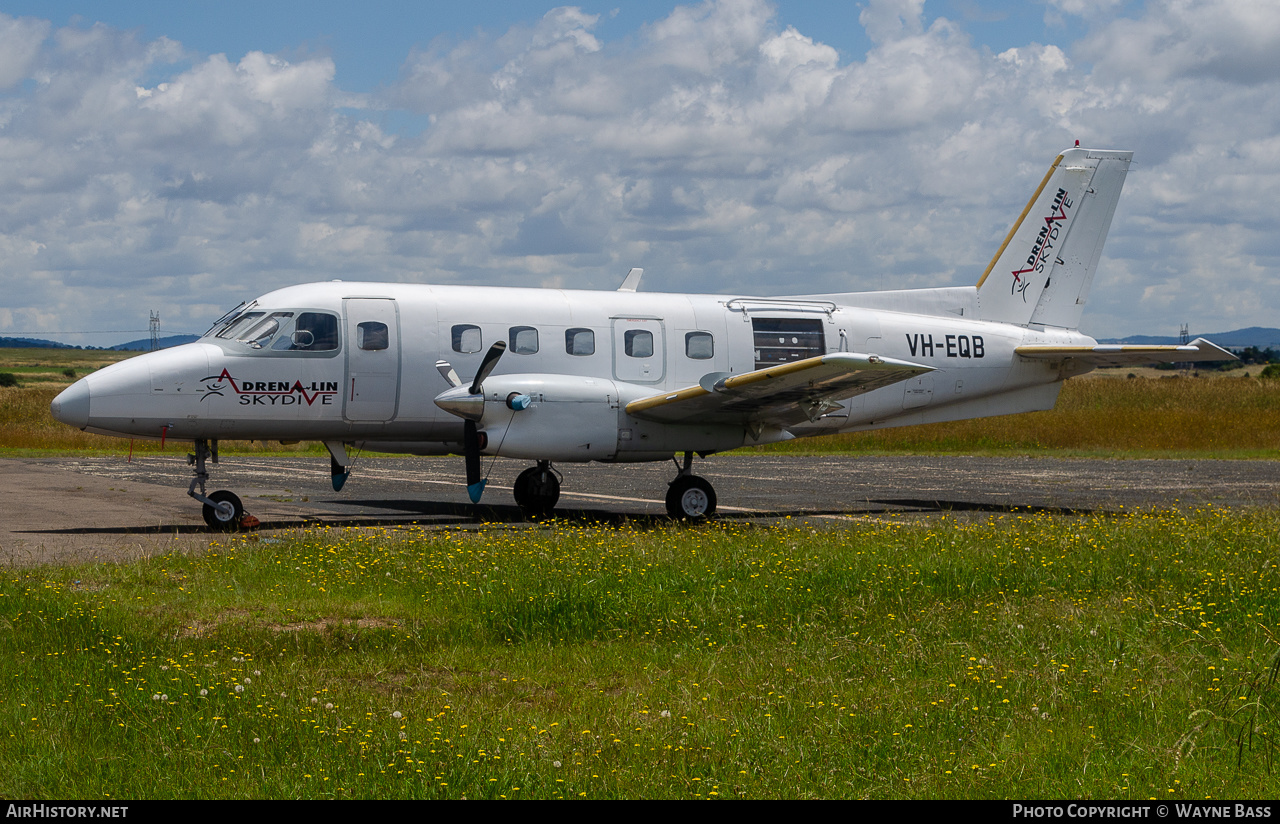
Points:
(639, 350)
(373, 359)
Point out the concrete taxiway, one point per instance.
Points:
(62, 510)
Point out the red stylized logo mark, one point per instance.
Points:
(1045, 241)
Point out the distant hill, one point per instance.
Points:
(144, 345)
(31, 343)
(1262, 337)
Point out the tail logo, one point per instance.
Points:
(1045, 241)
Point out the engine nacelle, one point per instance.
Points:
(544, 417)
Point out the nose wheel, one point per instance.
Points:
(224, 512)
(537, 490)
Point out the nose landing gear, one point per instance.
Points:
(223, 511)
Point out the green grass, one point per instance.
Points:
(1022, 656)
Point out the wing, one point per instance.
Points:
(782, 395)
(1124, 355)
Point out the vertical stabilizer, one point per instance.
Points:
(1043, 271)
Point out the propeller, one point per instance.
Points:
(487, 365)
(467, 408)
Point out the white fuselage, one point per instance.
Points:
(364, 367)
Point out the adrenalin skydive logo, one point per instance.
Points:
(271, 393)
(1045, 241)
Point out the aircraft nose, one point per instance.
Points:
(72, 405)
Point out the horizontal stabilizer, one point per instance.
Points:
(781, 395)
(1105, 354)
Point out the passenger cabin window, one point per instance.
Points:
(786, 340)
(699, 345)
(523, 340)
(372, 336)
(638, 343)
(466, 338)
(580, 341)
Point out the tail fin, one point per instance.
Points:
(1043, 271)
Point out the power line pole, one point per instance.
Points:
(155, 330)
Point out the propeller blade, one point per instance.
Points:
(471, 450)
(487, 365)
(339, 474)
(446, 371)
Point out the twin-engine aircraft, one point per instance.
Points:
(559, 375)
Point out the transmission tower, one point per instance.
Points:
(155, 330)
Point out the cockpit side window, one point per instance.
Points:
(314, 332)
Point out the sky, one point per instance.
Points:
(182, 157)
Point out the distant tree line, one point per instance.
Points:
(1252, 354)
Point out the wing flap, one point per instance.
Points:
(781, 395)
(1104, 354)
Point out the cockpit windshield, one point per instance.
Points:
(261, 333)
(238, 324)
(221, 322)
(279, 331)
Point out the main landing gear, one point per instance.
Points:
(222, 510)
(690, 497)
(537, 490)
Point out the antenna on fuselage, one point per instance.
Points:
(632, 282)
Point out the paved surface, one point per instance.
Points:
(105, 509)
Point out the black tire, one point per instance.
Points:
(221, 518)
(536, 491)
(691, 498)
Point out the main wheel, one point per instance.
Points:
(226, 515)
(537, 490)
(691, 498)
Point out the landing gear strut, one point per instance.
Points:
(690, 497)
(537, 490)
(222, 510)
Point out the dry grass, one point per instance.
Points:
(1167, 416)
